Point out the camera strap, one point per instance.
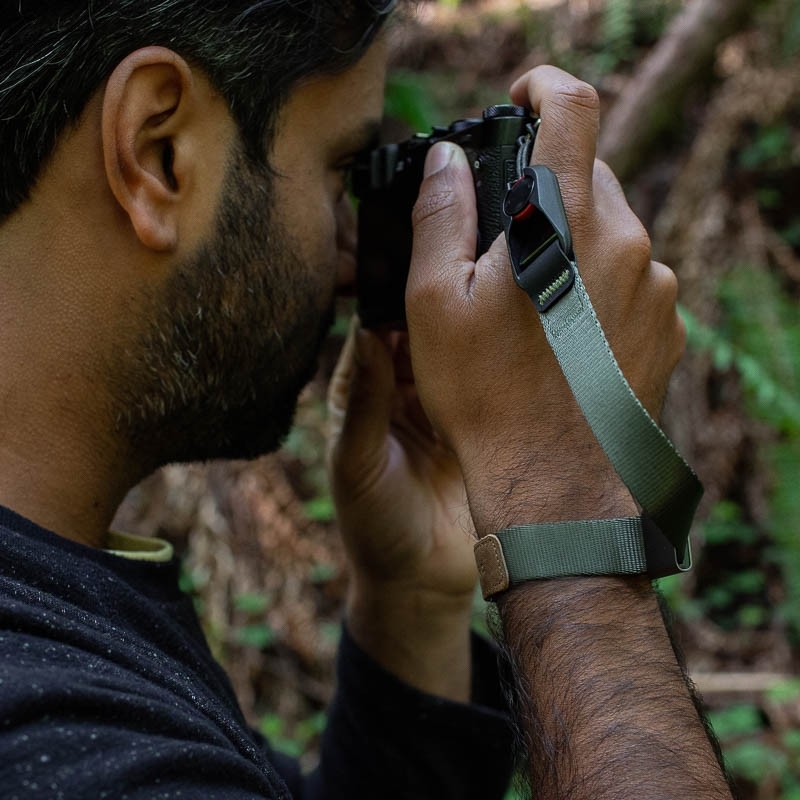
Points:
(661, 482)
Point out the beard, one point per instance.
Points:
(228, 343)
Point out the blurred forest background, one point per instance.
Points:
(701, 119)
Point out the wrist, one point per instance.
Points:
(420, 635)
(575, 483)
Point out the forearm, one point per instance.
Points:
(602, 701)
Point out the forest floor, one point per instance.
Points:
(719, 190)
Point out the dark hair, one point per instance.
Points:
(54, 55)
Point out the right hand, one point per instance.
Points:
(486, 376)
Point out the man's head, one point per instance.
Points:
(233, 335)
(174, 177)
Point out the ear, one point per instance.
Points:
(148, 107)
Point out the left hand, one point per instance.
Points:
(400, 499)
(403, 515)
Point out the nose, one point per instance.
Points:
(346, 245)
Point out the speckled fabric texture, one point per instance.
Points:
(108, 690)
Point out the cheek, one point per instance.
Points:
(315, 208)
(317, 238)
(308, 214)
(321, 235)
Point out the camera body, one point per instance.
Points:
(386, 181)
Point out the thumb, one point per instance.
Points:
(445, 225)
(360, 400)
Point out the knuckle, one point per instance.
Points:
(421, 295)
(605, 178)
(665, 287)
(669, 281)
(602, 170)
(578, 95)
(432, 200)
(578, 205)
(665, 282)
(635, 243)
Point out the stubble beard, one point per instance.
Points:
(230, 341)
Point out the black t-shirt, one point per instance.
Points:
(108, 689)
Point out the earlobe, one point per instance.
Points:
(146, 108)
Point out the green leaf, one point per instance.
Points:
(792, 233)
(785, 692)
(739, 720)
(407, 100)
(749, 581)
(755, 760)
(252, 603)
(320, 509)
(791, 741)
(259, 636)
(321, 573)
(725, 524)
(751, 616)
(330, 632)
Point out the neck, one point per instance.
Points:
(63, 299)
(61, 465)
(62, 482)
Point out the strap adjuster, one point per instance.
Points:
(538, 236)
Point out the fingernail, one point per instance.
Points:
(438, 157)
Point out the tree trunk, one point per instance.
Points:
(654, 96)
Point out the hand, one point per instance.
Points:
(485, 373)
(401, 508)
(600, 697)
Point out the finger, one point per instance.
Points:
(570, 119)
(662, 295)
(339, 386)
(664, 292)
(494, 282)
(624, 241)
(360, 404)
(445, 228)
(402, 361)
(608, 189)
(612, 207)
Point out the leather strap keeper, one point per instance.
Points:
(492, 569)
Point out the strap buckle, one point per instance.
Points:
(662, 556)
(538, 236)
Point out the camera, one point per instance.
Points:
(386, 182)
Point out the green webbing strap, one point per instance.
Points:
(660, 480)
(589, 547)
